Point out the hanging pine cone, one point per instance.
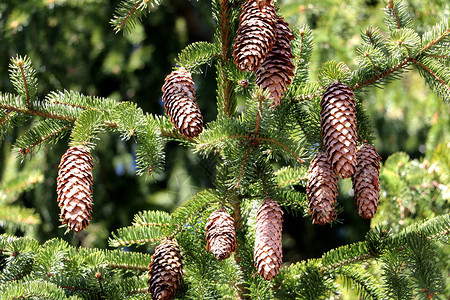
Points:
(180, 103)
(339, 131)
(74, 188)
(220, 234)
(166, 270)
(277, 68)
(268, 253)
(255, 35)
(321, 190)
(366, 183)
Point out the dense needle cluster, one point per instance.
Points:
(74, 188)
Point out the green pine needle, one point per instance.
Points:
(197, 54)
(130, 12)
(87, 126)
(23, 77)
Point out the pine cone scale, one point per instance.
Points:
(268, 248)
(220, 234)
(366, 182)
(74, 188)
(166, 270)
(180, 103)
(339, 132)
(321, 189)
(277, 68)
(255, 35)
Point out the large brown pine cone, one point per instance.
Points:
(166, 270)
(366, 183)
(180, 103)
(220, 234)
(277, 68)
(74, 188)
(255, 35)
(268, 253)
(321, 189)
(339, 130)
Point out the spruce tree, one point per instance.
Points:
(262, 148)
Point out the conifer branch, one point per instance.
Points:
(349, 261)
(435, 41)
(37, 113)
(124, 267)
(226, 97)
(438, 78)
(83, 107)
(291, 152)
(130, 12)
(391, 7)
(200, 146)
(19, 63)
(243, 167)
(260, 98)
(137, 291)
(22, 185)
(24, 147)
(291, 181)
(5, 117)
(383, 75)
(308, 97)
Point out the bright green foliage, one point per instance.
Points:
(197, 54)
(260, 152)
(302, 47)
(14, 183)
(365, 284)
(56, 269)
(23, 77)
(45, 132)
(397, 15)
(129, 12)
(87, 126)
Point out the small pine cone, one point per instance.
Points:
(255, 35)
(220, 234)
(74, 188)
(166, 270)
(268, 253)
(321, 190)
(180, 103)
(339, 131)
(366, 183)
(277, 69)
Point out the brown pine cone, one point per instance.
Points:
(166, 270)
(321, 190)
(255, 35)
(339, 130)
(268, 253)
(366, 183)
(74, 188)
(180, 103)
(220, 234)
(277, 68)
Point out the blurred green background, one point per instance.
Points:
(73, 47)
